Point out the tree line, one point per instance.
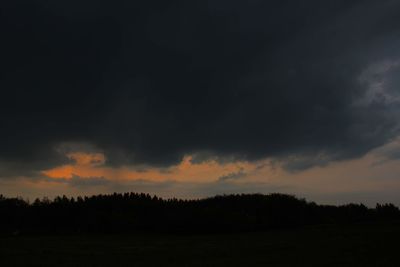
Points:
(139, 212)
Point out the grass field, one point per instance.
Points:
(355, 245)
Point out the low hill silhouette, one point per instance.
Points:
(136, 213)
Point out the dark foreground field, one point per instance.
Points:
(351, 245)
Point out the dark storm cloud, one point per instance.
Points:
(149, 81)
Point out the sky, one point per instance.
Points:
(191, 99)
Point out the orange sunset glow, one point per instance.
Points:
(92, 165)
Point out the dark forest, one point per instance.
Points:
(137, 213)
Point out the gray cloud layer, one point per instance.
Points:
(149, 81)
